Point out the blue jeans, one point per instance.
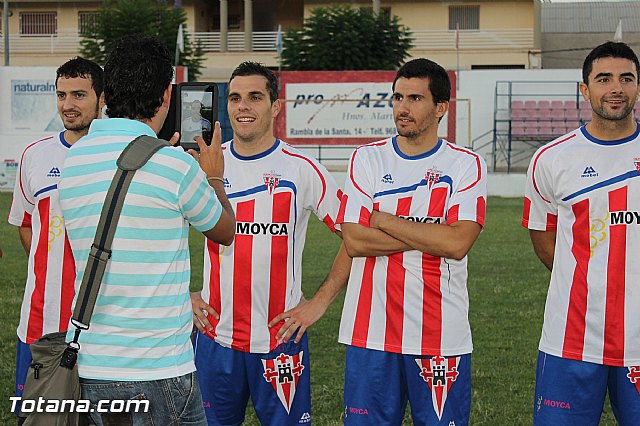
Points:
(173, 401)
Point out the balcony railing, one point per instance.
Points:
(68, 41)
(63, 42)
(517, 38)
(261, 41)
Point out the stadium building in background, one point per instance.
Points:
(490, 34)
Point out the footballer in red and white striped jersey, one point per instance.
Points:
(588, 191)
(49, 290)
(259, 275)
(411, 302)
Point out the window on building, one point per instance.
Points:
(465, 17)
(233, 22)
(38, 23)
(86, 22)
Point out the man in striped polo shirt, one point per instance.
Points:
(582, 209)
(138, 345)
(35, 210)
(413, 206)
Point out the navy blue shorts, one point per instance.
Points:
(378, 384)
(278, 383)
(570, 392)
(23, 361)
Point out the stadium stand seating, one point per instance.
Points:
(543, 105)
(543, 119)
(570, 105)
(571, 114)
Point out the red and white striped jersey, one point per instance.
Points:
(411, 302)
(49, 291)
(588, 191)
(259, 276)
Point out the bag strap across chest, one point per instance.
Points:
(134, 156)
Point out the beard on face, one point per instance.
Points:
(408, 133)
(82, 126)
(616, 115)
(413, 132)
(77, 127)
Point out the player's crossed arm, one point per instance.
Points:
(452, 241)
(363, 241)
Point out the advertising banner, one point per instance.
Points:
(339, 110)
(8, 173)
(343, 108)
(33, 106)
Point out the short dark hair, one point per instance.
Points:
(83, 68)
(609, 49)
(137, 73)
(439, 83)
(254, 68)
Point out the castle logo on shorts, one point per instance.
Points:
(283, 372)
(634, 377)
(439, 373)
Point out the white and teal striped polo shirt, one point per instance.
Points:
(142, 321)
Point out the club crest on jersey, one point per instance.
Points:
(271, 180)
(283, 372)
(439, 373)
(636, 162)
(432, 176)
(634, 376)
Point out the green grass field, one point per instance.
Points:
(507, 288)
